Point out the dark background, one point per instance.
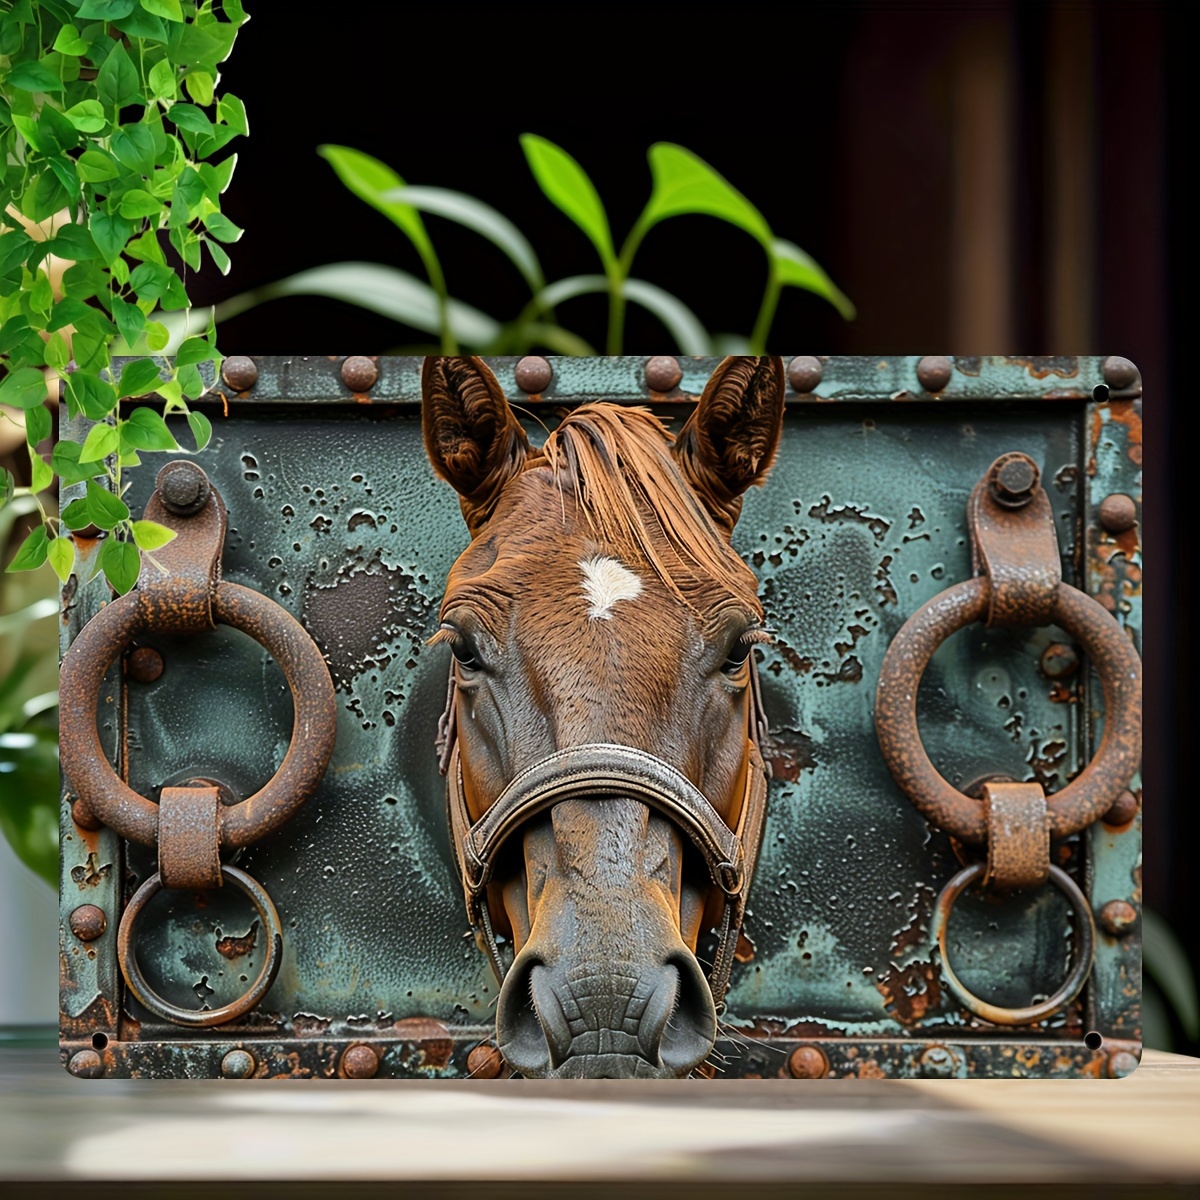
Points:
(978, 178)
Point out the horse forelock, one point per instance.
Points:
(616, 464)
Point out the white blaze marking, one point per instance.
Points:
(605, 581)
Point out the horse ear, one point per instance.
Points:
(730, 440)
(472, 438)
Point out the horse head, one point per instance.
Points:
(601, 740)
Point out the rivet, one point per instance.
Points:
(360, 1062)
(359, 373)
(804, 373)
(484, 1061)
(1121, 1063)
(240, 372)
(88, 922)
(808, 1062)
(1119, 373)
(1059, 661)
(1118, 512)
(533, 374)
(86, 1064)
(238, 1064)
(1117, 918)
(663, 372)
(934, 372)
(1013, 479)
(939, 1062)
(184, 488)
(1124, 809)
(144, 664)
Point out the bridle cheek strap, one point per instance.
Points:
(600, 769)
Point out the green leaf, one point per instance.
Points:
(77, 514)
(158, 336)
(55, 132)
(369, 179)
(60, 553)
(15, 247)
(69, 42)
(106, 509)
(145, 248)
(121, 564)
(222, 228)
(66, 465)
(146, 430)
(138, 377)
(130, 320)
(38, 424)
(194, 350)
(74, 242)
(32, 552)
(8, 483)
(47, 198)
(34, 77)
(29, 814)
(110, 233)
(105, 10)
(479, 217)
(87, 116)
(161, 81)
(797, 269)
(201, 428)
(218, 256)
(41, 475)
(64, 170)
(27, 127)
(191, 381)
(25, 388)
(142, 26)
(169, 10)
(101, 441)
(117, 82)
(150, 535)
(381, 289)
(684, 183)
(134, 146)
(1166, 962)
(199, 85)
(216, 178)
(188, 116)
(94, 166)
(136, 204)
(569, 189)
(233, 112)
(92, 397)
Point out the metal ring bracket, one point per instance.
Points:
(136, 981)
(113, 801)
(1087, 797)
(1071, 987)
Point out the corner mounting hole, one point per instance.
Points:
(99, 1041)
(1100, 393)
(1093, 1040)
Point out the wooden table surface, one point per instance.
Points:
(1138, 1136)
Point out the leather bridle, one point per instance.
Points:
(597, 770)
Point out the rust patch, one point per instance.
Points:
(433, 1040)
(745, 949)
(310, 1024)
(91, 873)
(885, 588)
(232, 947)
(910, 992)
(1065, 366)
(826, 511)
(789, 752)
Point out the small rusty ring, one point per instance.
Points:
(1087, 797)
(1070, 988)
(113, 801)
(136, 981)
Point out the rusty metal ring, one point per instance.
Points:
(136, 981)
(113, 801)
(1087, 797)
(1072, 985)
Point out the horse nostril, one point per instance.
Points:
(528, 1020)
(691, 1029)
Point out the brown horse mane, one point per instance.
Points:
(616, 463)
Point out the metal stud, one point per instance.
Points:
(144, 665)
(663, 373)
(1122, 1063)
(1124, 809)
(360, 1062)
(238, 1064)
(359, 372)
(184, 488)
(808, 1062)
(1117, 918)
(1059, 661)
(804, 373)
(484, 1061)
(88, 922)
(1119, 373)
(533, 374)
(934, 372)
(1118, 513)
(86, 1064)
(239, 372)
(939, 1062)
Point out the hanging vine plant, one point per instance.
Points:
(112, 168)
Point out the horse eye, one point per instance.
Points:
(738, 654)
(464, 654)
